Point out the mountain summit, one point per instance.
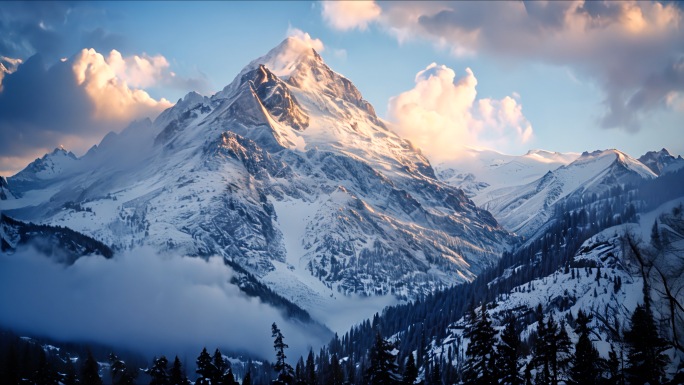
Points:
(290, 176)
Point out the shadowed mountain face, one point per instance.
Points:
(287, 173)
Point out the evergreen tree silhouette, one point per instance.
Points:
(509, 354)
(90, 372)
(382, 369)
(646, 360)
(586, 362)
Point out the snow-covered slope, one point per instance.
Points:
(286, 172)
(604, 280)
(524, 209)
(478, 171)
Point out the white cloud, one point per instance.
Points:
(107, 83)
(139, 71)
(304, 40)
(347, 15)
(442, 114)
(140, 300)
(628, 48)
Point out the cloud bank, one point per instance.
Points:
(141, 301)
(442, 114)
(74, 102)
(631, 50)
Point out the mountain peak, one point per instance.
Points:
(61, 151)
(284, 59)
(661, 161)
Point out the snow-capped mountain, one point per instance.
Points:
(42, 170)
(524, 209)
(286, 172)
(478, 171)
(661, 162)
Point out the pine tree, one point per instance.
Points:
(228, 378)
(559, 344)
(205, 368)
(615, 366)
(382, 369)
(45, 374)
(645, 349)
(410, 371)
(541, 356)
(656, 241)
(586, 362)
(159, 372)
(90, 372)
(284, 370)
(509, 354)
(247, 380)
(299, 371)
(120, 374)
(480, 353)
(336, 375)
(220, 368)
(310, 375)
(176, 376)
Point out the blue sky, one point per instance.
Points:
(555, 75)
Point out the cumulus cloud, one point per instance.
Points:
(347, 15)
(442, 114)
(630, 49)
(142, 301)
(108, 84)
(73, 102)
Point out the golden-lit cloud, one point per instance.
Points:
(74, 102)
(106, 81)
(442, 114)
(347, 15)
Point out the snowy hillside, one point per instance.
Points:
(604, 280)
(288, 173)
(524, 209)
(478, 171)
